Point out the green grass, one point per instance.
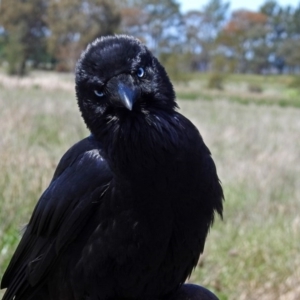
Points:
(255, 252)
(276, 90)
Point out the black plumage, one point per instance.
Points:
(128, 209)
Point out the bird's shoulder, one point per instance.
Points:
(88, 150)
(81, 174)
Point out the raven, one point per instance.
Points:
(128, 209)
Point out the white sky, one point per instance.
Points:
(234, 4)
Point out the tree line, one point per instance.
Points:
(44, 34)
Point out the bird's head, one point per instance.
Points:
(116, 77)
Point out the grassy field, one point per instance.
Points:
(254, 137)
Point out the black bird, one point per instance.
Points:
(128, 209)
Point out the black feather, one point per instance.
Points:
(128, 210)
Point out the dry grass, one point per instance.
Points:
(44, 80)
(37, 126)
(253, 254)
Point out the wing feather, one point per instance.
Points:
(79, 182)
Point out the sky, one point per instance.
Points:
(234, 4)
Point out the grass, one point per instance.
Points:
(276, 90)
(255, 252)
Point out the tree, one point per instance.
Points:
(2, 38)
(163, 18)
(25, 30)
(244, 41)
(193, 44)
(132, 20)
(75, 23)
(156, 22)
(289, 50)
(284, 23)
(201, 30)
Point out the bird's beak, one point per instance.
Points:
(127, 95)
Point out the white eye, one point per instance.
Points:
(140, 73)
(98, 93)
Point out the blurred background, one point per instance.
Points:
(50, 35)
(236, 71)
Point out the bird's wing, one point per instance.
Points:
(79, 182)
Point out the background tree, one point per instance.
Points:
(36, 32)
(25, 31)
(244, 41)
(2, 42)
(284, 23)
(132, 20)
(214, 17)
(74, 23)
(290, 52)
(278, 19)
(192, 44)
(159, 23)
(201, 30)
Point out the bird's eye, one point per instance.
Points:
(99, 93)
(140, 73)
